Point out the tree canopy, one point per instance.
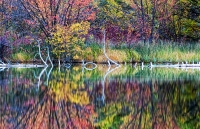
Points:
(62, 22)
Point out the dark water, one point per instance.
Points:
(76, 98)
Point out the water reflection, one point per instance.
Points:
(123, 97)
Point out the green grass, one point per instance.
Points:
(21, 57)
(168, 52)
(94, 52)
(158, 52)
(23, 53)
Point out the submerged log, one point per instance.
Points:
(177, 65)
(21, 66)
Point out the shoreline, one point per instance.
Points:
(142, 64)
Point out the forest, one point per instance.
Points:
(86, 37)
(73, 30)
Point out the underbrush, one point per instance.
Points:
(140, 52)
(94, 52)
(21, 57)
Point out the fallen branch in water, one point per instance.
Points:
(178, 65)
(2, 63)
(84, 65)
(21, 65)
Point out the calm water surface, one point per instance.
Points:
(119, 97)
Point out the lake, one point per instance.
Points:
(124, 97)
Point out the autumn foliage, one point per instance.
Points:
(127, 21)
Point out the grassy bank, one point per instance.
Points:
(169, 52)
(157, 52)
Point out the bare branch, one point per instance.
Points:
(38, 41)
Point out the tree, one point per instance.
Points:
(69, 40)
(48, 13)
(49, 16)
(113, 17)
(187, 20)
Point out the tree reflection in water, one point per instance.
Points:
(23, 106)
(72, 99)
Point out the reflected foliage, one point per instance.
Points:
(72, 98)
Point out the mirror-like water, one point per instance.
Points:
(122, 97)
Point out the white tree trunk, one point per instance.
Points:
(104, 49)
(59, 63)
(40, 53)
(48, 56)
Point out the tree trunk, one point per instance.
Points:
(59, 62)
(152, 21)
(1, 50)
(104, 49)
(143, 20)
